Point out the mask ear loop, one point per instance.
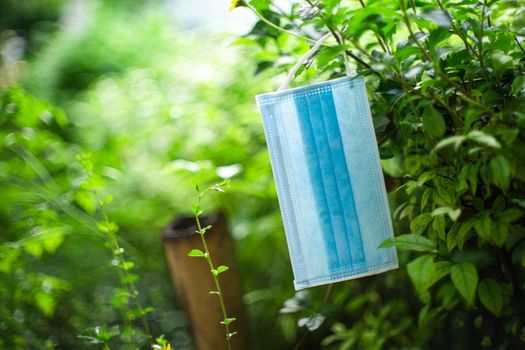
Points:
(349, 71)
(309, 54)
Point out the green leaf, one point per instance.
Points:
(222, 268)
(452, 140)
(501, 61)
(34, 248)
(107, 227)
(443, 197)
(108, 199)
(452, 213)
(86, 200)
(473, 177)
(127, 265)
(328, 55)
(8, 256)
(465, 279)
(385, 153)
(197, 253)
(438, 224)
(510, 215)
(433, 122)
(439, 17)
(500, 168)
(490, 294)
(458, 236)
(228, 320)
(442, 269)
(422, 273)
(436, 36)
(410, 242)
(499, 233)
(196, 209)
(486, 342)
(45, 302)
(425, 197)
(426, 315)
(518, 85)
(420, 223)
(483, 227)
(481, 137)
(52, 238)
(448, 296)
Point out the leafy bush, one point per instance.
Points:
(447, 92)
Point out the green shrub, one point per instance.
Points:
(447, 91)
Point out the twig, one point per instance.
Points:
(215, 273)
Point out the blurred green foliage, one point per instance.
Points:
(159, 114)
(162, 109)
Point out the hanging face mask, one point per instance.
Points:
(329, 181)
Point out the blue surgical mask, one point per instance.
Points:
(329, 181)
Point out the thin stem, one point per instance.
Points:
(339, 38)
(489, 22)
(215, 275)
(123, 273)
(328, 294)
(379, 36)
(456, 30)
(273, 25)
(411, 32)
(436, 67)
(481, 29)
(425, 53)
(519, 45)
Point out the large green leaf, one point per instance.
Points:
(433, 122)
(465, 279)
(500, 168)
(457, 237)
(500, 231)
(424, 273)
(483, 227)
(489, 293)
(410, 242)
(420, 223)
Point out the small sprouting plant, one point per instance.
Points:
(161, 344)
(215, 272)
(126, 297)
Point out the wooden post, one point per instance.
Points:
(193, 281)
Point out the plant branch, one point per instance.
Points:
(214, 272)
(123, 271)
